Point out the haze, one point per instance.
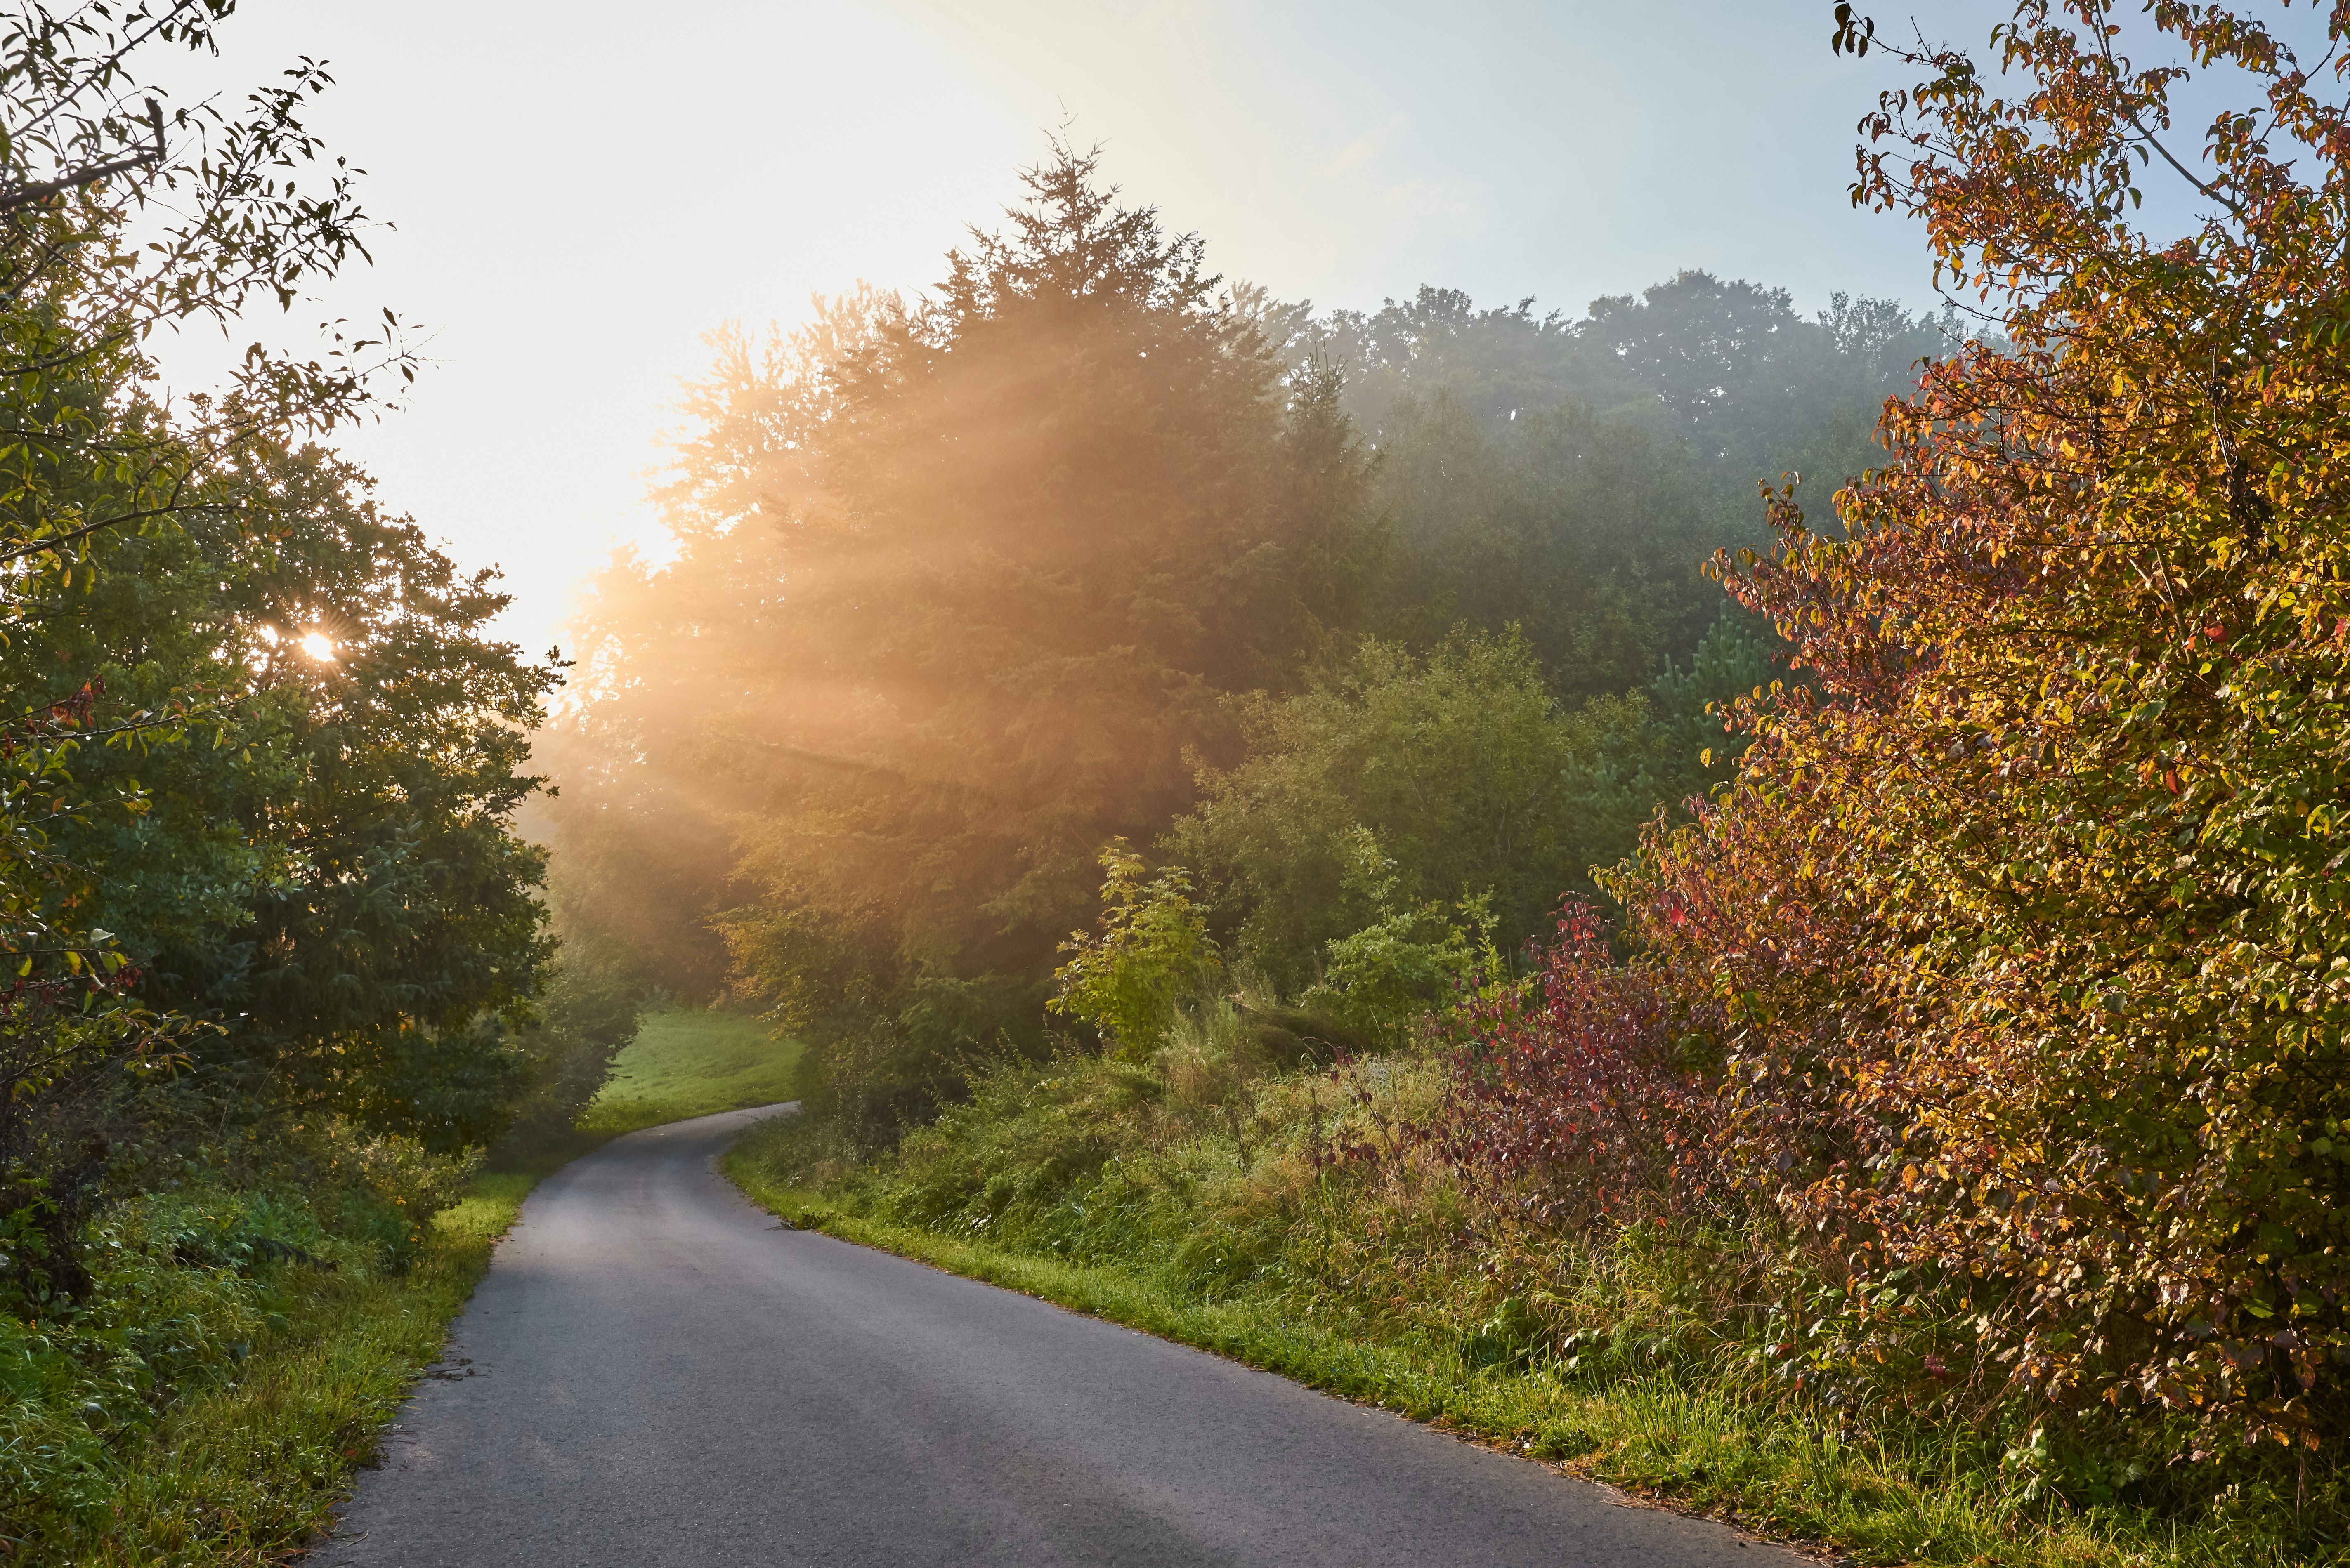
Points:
(1363, 688)
(577, 205)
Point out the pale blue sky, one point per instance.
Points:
(580, 190)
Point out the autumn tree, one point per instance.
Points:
(2028, 911)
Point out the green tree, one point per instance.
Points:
(1151, 953)
(1730, 369)
(587, 1014)
(1457, 773)
(959, 587)
(1570, 475)
(329, 869)
(1586, 534)
(197, 823)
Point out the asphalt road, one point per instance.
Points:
(656, 1373)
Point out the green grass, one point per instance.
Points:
(688, 1061)
(249, 1472)
(1665, 1436)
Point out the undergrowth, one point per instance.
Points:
(240, 1353)
(1194, 1195)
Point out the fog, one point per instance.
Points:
(574, 205)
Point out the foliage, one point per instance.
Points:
(1586, 534)
(281, 759)
(1152, 952)
(270, 930)
(220, 216)
(184, 1285)
(1408, 958)
(1585, 1099)
(967, 585)
(587, 1017)
(959, 584)
(2025, 912)
(330, 862)
(1689, 709)
(1568, 475)
(67, 1047)
(1975, 1078)
(1459, 772)
(387, 939)
(281, 1358)
(1728, 367)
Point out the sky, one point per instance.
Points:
(574, 195)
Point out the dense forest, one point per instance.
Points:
(1689, 873)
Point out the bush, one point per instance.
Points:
(1153, 950)
(588, 1016)
(184, 1279)
(1590, 1096)
(1401, 783)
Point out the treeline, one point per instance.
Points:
(1385, 618)
(1959, 1079)
(279, 967)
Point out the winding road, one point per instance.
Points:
(655, 1372)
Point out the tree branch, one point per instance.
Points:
(26, 196)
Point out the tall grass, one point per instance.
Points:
(1193, 1196)
(288, 1370)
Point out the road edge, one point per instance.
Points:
(1374, 1376)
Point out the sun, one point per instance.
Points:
(318, 645)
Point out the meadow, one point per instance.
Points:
(692, 1062)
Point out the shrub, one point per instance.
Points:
(1589, 1097)
(2026, 917)
(1151, 951)
(184, 1285)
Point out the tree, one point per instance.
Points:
(227, 871)
(1587, 535)
(402, 939)
(1570, 475)
(2027, 908)
(956, 593)
(1453, 776)
(323, 859)
(91, 148)
(587, 1014)
(1151, 954)
(1753, 389)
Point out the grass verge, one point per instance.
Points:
(247, 1473)
(1670, 1435)
(245, 1470)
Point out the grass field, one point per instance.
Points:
(690, 1062)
